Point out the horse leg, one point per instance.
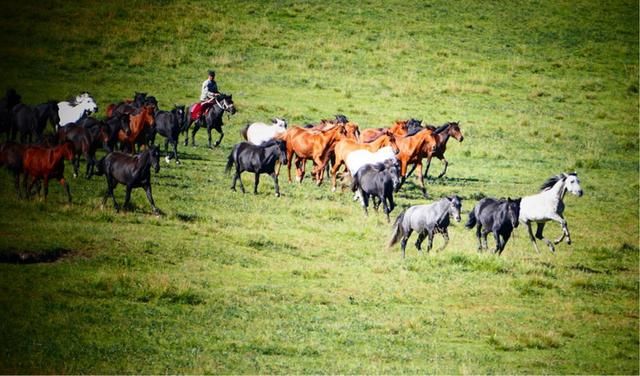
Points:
(565, 230)
(484, 238)
(255, 185)
(147, 189)
(429, 240)
(175, 151)
(478, 235)
(445, 235)
(46, 188)
(541, 237)
(239, 178)
(505, 239)
(385, 207)
(421, 235)
(196, 126)
(444, 171)
(275, 183)
(219, 130)
(421, 180)
(186, 132)
(403, 242)
(496, 236)
(531, 237)
(127, 196)
(64, 183)
(365, 201)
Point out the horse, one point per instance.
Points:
(168, 124)
(87, 136)
(497, 216)
(47, 113)
(345, 147)
(132, 171)
(212, 119)
(11, 155)
(259, 159)
(258, 133)
(46, 163)
(427, 220)
(10, 100)
(73, 110)
(25, 122)
(379, 181)
(114, 125)
(441, 135)
(139, 124)
(127, 106)
(399, 128)
(548, 206)
(412, 149)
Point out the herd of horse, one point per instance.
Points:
(378, 160)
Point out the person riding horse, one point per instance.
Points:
(207, 97)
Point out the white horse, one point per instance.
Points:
(73, 110)
(548, 206)
(259, 133)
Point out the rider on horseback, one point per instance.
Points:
(207, 97)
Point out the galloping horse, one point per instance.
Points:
(133, 171)
(442, 134)
(344, 147)
(212, 118)
(399, 128)
(138, 124)
(412, 150)
(73, 110)
(548, 206)
(168, 124)
(46, 163)
(259, 133)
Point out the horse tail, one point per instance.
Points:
(230, 161)
(100, 167)
(243, 132)
(398, 232)
(472, 219)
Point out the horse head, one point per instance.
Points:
(278, 122)
(282, 149)
(455, 205)
(513, 211)
(226, 103)
(454, 130)
(572, 184)
(392, 140)
(352, 130)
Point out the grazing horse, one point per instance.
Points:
(345, 147)
(259, 159)
(46, 163)
(168, 124)
(75, 109)
(548, 206)
(412, 150)
(426, 220)
(132, 171)
(139, 124)
(212, 118)
(258, 133)
(47, 113)
(11, 155)
(25, 122)
(377, 181)
(86, 140)
(399, 128)
(497, 216)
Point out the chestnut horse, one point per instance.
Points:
(412, 150)
(312, 144)
(46, 163)
(346, 146)
(139, 122)
(399, 128)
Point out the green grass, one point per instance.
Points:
(232, 283)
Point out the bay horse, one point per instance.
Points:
(412, 149)
(427, 220)
(41, 163)
(139, 123)
(11, 155)
(259, 159)
(346, 146)
(168, 124)
(114, 125)
(441, 135)
(86, 136)
(548, 206)
(399, 128)
(132, 171)
(499, 217)
(212, 118)
(258, 133)
(73, 110)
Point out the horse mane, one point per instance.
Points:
(272, 142)
(552, 181)
(442, 128)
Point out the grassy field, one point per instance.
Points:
(236, 284)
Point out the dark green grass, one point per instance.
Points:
(230, 283)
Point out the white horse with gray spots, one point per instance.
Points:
(548, 206)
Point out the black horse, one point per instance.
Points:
(497, 216)
(10, 100)
(212, 119)
(47, 113)
(378, 181)
(114, 125)
(257, 159)
(11, 155)
(25, 123)
(132, 171)
(168, 124)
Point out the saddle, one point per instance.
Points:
(200, 109)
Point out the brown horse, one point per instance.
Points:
(139, 123)
(87, 137)
(46, 163)
(442, 134)
(412, 150)
(346, 146)
(311, 144)
(11, 155)
(399, 128)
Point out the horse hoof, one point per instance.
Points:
(167, 159)
(177, 161)
(277, 194)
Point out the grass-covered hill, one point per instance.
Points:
(304, 283)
